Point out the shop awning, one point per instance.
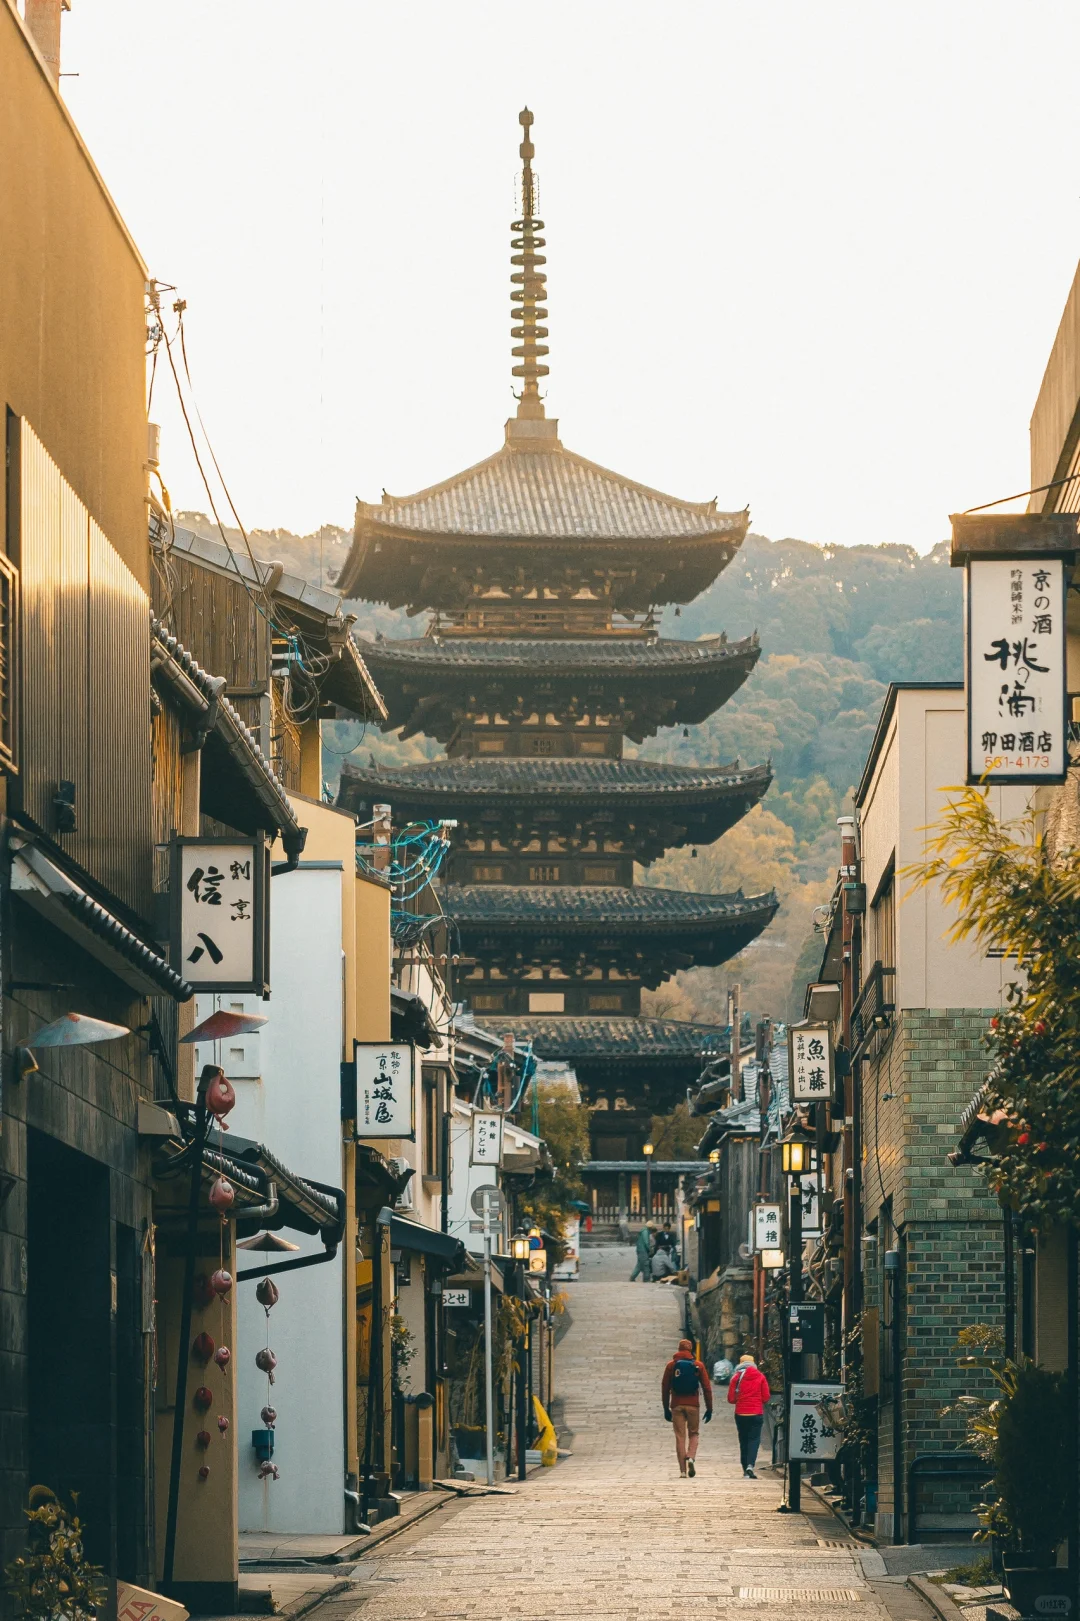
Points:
(75, 912)
(410, 1235)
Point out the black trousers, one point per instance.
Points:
(749, 1428)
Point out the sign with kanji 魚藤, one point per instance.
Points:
(810, 1434)
(810, 1056)
(1016, 686)
(766, 1227)
(384, 1089)
(487, 1130)
(218, 894)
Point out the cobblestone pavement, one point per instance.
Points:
(613, 1533)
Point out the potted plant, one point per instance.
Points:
(1023, 1434)
(53, 1581)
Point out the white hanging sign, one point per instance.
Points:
(811, 1062)
(218, 896)
(457, 1297)
(766, 1227)
(487, 1130)
(384, 1089)
(810, 1434)
(1016, 688)
(810, 1199)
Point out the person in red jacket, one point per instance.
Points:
(748, 1392)
(685, 1380)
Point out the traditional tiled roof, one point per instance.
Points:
(551, 494)
(576, 781)
(620, 1039)
(622, 656)
(531, 908)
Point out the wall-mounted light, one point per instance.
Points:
(714, 1157)
(772, 1260)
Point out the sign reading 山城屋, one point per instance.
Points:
(1016, 688)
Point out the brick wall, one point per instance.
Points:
(945, 1223)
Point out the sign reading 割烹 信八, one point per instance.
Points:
(219, 901)
(1016, 689)
(385, 1089)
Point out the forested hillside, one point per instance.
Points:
(836, 625)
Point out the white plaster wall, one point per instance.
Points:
(295, 1110)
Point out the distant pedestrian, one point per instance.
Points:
(643, 1250)
(661, 1265)
(748, 1392)
(665, 1240)
(685, 1382)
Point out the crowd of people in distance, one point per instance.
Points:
(657, 1254)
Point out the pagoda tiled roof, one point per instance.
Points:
(624, 1038)
(573, 780)
(611, 655)
(551, 494)
(531, 908)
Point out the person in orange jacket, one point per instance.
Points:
(748, 1392)
(685, 1381)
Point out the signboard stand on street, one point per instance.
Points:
(810, 1434)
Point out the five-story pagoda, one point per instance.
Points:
(542, 573)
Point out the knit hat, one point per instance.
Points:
(685, 1345)
(745, 1359)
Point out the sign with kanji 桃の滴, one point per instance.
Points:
(767, 1227)
(1016, 687)
(487, 1131)
(218, 893)
(811, 1062)
(385, 1089)
(811, 1435)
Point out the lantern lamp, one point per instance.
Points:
(772, 1260)
(714, 1157)
(647, 1150)
(519, 1247)
(794, 1156)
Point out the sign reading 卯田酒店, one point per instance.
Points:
(384, 1089)
(811, 1062)
(1016, 689)
(218, 891)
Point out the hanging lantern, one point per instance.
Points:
(203, 1439)
(202, 1347)
(223, 1356)
(203, 1398)
(267, 1293)
(202, 1295)
(223, 1423)
(269, 1417)
(221, 1282)
(220, 1097)
(267, 1361)
(222, 1195)
(204, 1472)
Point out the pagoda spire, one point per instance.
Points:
(529, 290)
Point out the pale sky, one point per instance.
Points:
(808, 257)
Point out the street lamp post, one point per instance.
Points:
(794, 1159)
(647, 1150)
(519, 1249)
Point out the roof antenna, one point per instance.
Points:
(529, 290)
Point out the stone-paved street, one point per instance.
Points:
(613, 1532)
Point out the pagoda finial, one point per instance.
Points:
(529, 291)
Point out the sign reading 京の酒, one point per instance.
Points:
(218, 893)
(810, 1434)
(1016, 687)
(487, 1130)
(384, 1089)
(811, 1062)
(766, 1226)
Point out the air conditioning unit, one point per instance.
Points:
(398, 1167)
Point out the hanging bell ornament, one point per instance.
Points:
(223, 1356)
(202, 1294)
(203, 1439)
(267, 1293)
(203, 1398)
(267, 1361)
(268, 1470)
(204, 1472)
(222, 1195)
(222, 1423)
(269, 1417)
(202, 1347)
(221, 1282)
(220, 1097)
